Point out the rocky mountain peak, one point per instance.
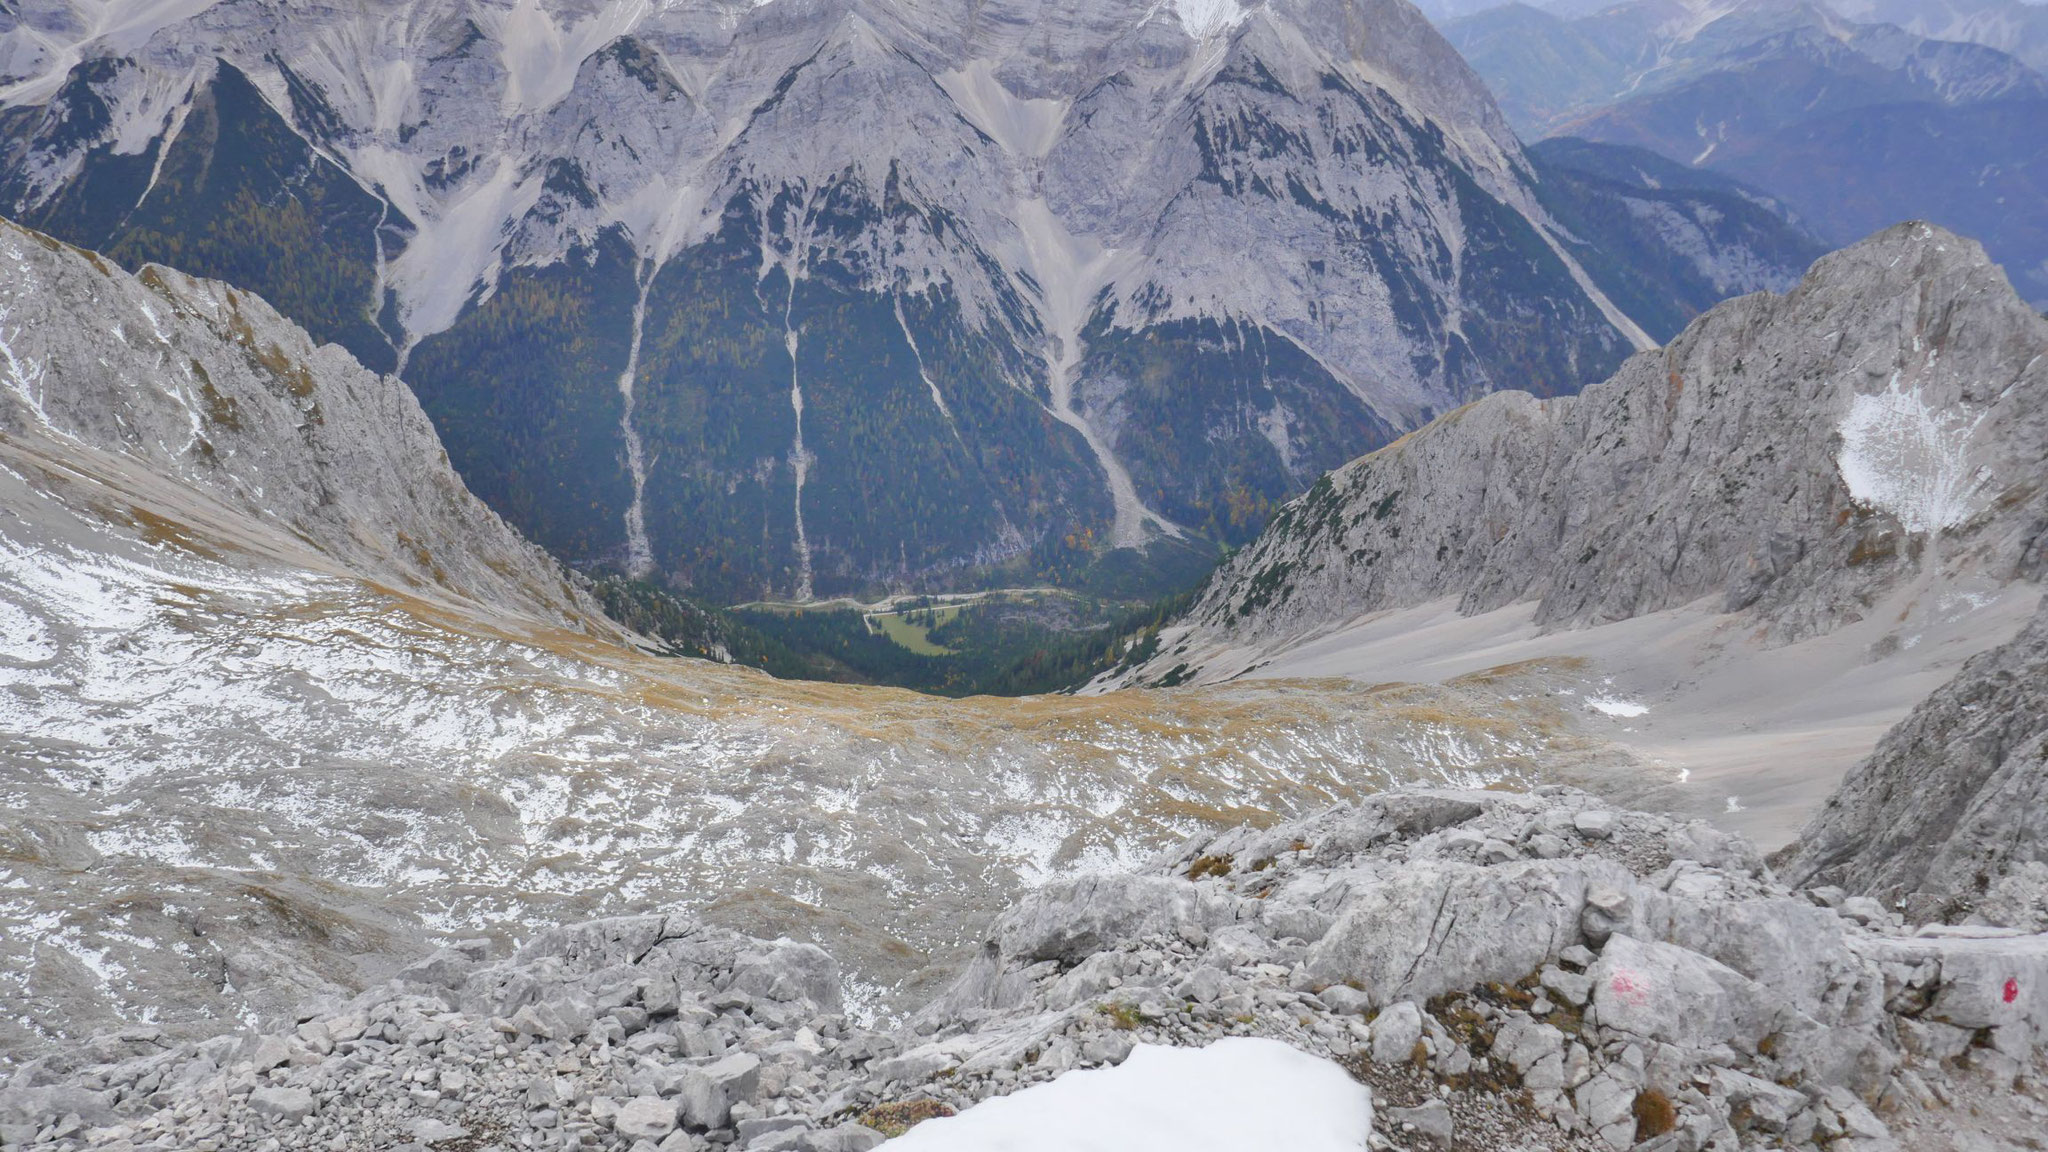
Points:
(1796, 458)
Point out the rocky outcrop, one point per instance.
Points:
(1948, 819)
(1650, 986)
(1793, 458)
(177, 388)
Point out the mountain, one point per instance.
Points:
(1851, 126)
(821, 296)
(283, 706)
(2016, 27)
(1945, 819)
(1641, 223)
(1791, 523)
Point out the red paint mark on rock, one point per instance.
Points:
(1626, 985)
(2012, 990)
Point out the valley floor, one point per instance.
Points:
(1725, 726)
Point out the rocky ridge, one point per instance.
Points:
(1506, 970)
(1794, 458)
(1945, 818)
(185, 385)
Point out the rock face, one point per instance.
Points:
(1675, 998)
(1794, 458)
(817, 295)
(1949, 817)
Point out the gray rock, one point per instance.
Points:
(1397, 939)
(270, 1052)
(1431, 1121)
(284, 1104)
(754, 1128)
(1605, 1103)
(843, 1138)
(709, 1092)
(1595, 823)
(1202, 986)
(1395, 1032)
(1522, 1044)
(1662, 992)
(1570, 987)
(428, 1130)
(647, 1118)
(1345, 1000)
(445, 968)
(790, 972)
(1070, 920)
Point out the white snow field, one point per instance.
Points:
(1236, 1095)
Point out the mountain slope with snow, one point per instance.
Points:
(282, 706)
(817, 296)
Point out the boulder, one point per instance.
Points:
(1660, 991)
(790, 972)
(1396, 1032)
(645, 1118)
(709, 1092)
(281, 1104)
(1444, 925)
(1071, 920)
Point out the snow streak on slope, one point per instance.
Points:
(799, 460)
(639, 553)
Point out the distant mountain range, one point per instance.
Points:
(1853, 126)
(823, 296)
(2016, 27)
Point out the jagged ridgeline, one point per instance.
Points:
(817, 297)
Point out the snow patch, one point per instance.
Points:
(1609, 706)
(1901, 456)
(1204, 19)
(1238, 1093)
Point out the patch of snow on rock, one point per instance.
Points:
(1901, 456)
(1609, 706)
(1206, 18)
(1252, 1093)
